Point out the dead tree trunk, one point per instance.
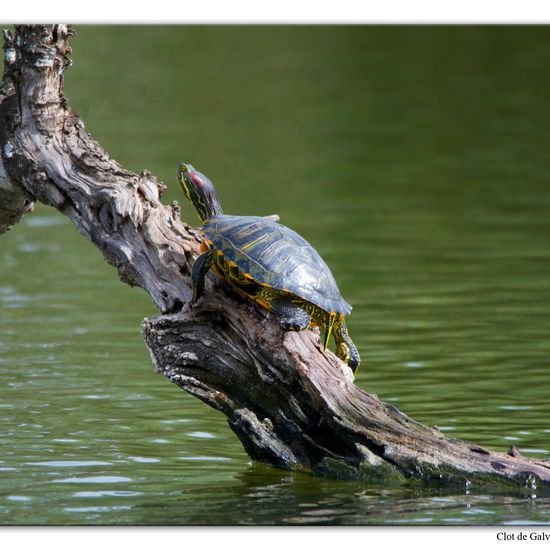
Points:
(291, 404)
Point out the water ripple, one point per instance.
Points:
(70, 463)
(202, 435)
(96, 494)
(94, 479)
(85, 509)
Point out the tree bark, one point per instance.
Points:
(290, 403)
(14, 201)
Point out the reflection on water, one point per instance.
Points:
(414, 159)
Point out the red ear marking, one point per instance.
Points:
(197, 180)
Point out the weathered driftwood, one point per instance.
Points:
(14, 201)
(291, 404)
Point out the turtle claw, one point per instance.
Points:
(292, 326)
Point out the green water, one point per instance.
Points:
(415, 160)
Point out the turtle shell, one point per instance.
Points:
(276, 256)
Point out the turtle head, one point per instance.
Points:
(200, 191)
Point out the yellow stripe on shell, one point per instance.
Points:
(255, 241)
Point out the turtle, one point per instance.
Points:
(268, 263)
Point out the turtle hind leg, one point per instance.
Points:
(291, 316)
(345, 348)
(198, 273)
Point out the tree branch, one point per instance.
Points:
(14, 201)
(289, 402)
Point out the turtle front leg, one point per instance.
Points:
(345, 348)
(198, 273)
(291, 316)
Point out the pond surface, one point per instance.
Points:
(414, 159)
